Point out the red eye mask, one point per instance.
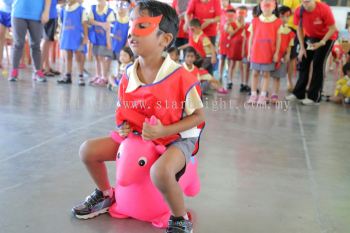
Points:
(144, 26)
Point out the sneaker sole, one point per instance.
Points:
(92, 215)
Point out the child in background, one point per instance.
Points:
(202, 75)
(226, 10)
(174, 54)
(154, 28)
(342, 89)
(5, 24)
(234, 51)
(287, 42)
(100, 18)
(74, 38)
(126, 58)
(264, 46)
(245, 61)
(119, 31)
(201, 43)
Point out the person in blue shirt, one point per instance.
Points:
(73, 39)
(28, 16)
(119, 30)
(48, 38)
(5, 24)
(100, 18)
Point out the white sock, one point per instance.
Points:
(108, 193)
(254, 93)
(263, 93)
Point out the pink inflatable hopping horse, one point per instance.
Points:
(136, 196)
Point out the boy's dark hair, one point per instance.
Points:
(243, 8)
(195, 23)
(346, 68)
(190, 49)
(170, 20)
(174, 49)
(230, 11)
(129, 52)
(284, 9)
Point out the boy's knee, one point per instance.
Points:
(160, 176)
(85, 151)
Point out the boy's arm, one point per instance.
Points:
(278, 46)
(213, 53)
(46, 12)
(184, 46)
(207, 22)
(86, 31)
(151, 132)
(250, 44)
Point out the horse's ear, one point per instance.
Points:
(116, 137)
(160, 149)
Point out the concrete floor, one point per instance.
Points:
(262, 170)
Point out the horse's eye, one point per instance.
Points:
(142, 161)
(118, 155)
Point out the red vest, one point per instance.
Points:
(264, 40)
(199, 45)
(164, 99)
(235, 43)
(285, 41)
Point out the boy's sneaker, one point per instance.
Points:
(179, 225)
(242, 88)
(81, 81)
(39, 76)
(94, 205)
(253, 99)
(229, 86)
(13, 76)
(247, 88)
(65, 80)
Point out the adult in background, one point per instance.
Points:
(48, 38)
(292, 4)
(181, 6)
(208, 13)
(316, 33)
(28, 16)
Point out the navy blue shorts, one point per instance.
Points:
(5, 19)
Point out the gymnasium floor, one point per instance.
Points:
(262, 170)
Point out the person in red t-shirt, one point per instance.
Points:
(181, 6)
(264, 45)
(287, 41)
(316, 33)
(227, 11)
(208, 12)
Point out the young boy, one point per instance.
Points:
(174, 54)
(74, 37)
(201, 43)
(100, 18)
(287, 41)
(154, 27)
(206, 79)
(235, 31)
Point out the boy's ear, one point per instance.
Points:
(167, 39)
